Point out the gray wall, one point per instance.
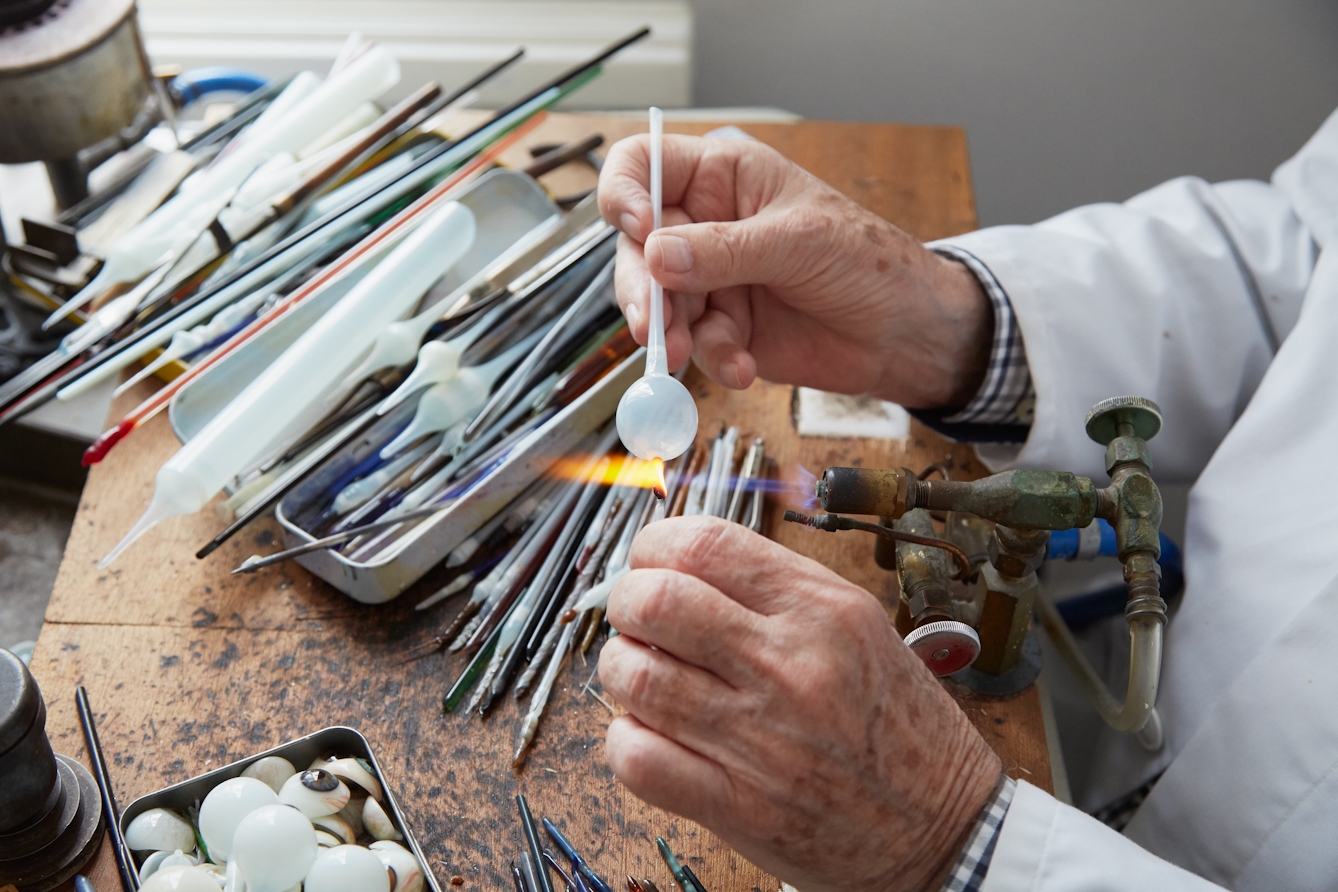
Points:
(1064, 101)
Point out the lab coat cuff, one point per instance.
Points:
(1020, 850)
(1045, 846)
(973, 862)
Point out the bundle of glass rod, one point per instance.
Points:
(532, 567)
(173, 226)
(201, 250)
(529, 565)
(370, 458)
(554, 340)
(329, 244)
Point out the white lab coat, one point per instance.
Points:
(1170, 296)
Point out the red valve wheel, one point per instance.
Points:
(945, 646)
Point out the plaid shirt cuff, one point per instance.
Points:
(1006, 396)
(968, 873)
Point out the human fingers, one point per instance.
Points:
(632, 287)
(682, 309)
(665, 773)
(624, 186)
(761, 575)
(698, 174)
(720, 339)
(682, 702)
(760, 250)
(685, 617)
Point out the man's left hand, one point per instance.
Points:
(771, 701)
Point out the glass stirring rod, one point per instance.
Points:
(657, 418)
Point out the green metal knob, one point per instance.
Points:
(1105, 418)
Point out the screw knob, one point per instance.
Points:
(945, 646)
(1105, 418)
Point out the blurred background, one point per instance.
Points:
(1064, 102)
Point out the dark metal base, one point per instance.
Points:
(69, 181)
(1019, 678)
(54, 848)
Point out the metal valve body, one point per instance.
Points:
(1024, 505)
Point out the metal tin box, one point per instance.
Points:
(407, 560)
(301, 752)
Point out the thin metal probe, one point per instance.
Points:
(255, 562)
(833, 522)
(124, 863)
(688, 872)
(532, 838)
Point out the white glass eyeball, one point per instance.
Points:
(401, 862)
(657, 418)
(353, 814)
(347, 869)
(336, 828)
(274, 847)
(159, 830)
(377, 822)
(224, 808)
(327, 840)
(151, 863)
(315, 792)
(273, 770)
(352, 771)
(180, 878)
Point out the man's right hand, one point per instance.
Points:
(771, 272)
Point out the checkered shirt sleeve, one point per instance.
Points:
(1006, 396)
(968, 873)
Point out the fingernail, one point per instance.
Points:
(675, 253)
(730, 377)
(633, 317)
(629, 224)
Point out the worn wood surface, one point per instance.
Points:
(189, 668)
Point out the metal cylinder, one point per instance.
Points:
(70, 76)
(27, 765)
(51, 818)
(923, 571)
(880, 491)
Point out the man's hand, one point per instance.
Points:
(771, 701)
(772, 272)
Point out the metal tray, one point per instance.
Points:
(301, 752)
(407, 560)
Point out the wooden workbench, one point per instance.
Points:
(189, 668)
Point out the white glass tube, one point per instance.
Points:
(306, 371)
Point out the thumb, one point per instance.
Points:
(705, 257)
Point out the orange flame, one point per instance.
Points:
(625, 470)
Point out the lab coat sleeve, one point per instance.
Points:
(1045, 846)
(1179, 295)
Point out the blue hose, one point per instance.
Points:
(1064, 544)
(1084, 610)
(191, 85)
